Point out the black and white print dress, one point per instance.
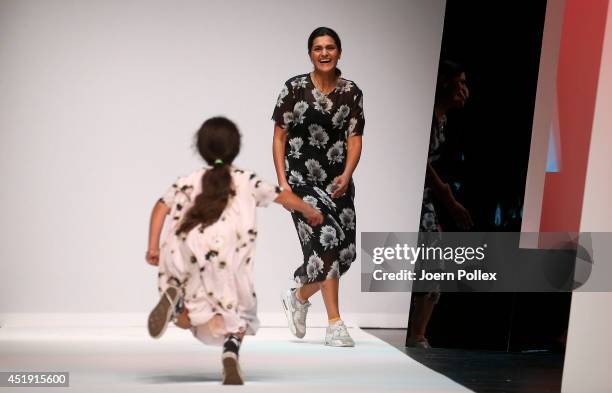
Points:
(430, 228)
(430, 207)
(318, 126)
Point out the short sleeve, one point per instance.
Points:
(180, 189)
(170, 194)
(283, 111)
(262, 191)
(357, 119)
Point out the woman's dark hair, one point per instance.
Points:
(218, 142)
(323, 31)
(448, 70)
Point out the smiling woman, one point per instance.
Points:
(317, 143)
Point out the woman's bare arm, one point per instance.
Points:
(278, 153)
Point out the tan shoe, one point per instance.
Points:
(163, 312)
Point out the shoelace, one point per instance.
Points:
(340, 331)
(301, 312)
(170, 301)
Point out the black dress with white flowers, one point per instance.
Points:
(318, 126)
(430, 207)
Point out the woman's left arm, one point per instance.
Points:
(353, 153)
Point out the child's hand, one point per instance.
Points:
(152, 257)
(313, 216)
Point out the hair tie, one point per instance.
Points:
(218, 161)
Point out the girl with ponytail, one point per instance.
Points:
(206, 259)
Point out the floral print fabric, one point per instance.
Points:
(214, 266)
(429, 217)
(318, 127)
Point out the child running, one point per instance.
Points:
(206, 259)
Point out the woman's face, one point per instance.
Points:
(324, 54)
(459, 91)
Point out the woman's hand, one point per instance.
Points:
(152, 257)
(460, 214)
(313, 216)
(340, 185)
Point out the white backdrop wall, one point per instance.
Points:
(99, 103)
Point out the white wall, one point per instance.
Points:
(99, 103)
(588, 358)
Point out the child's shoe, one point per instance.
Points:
(163, 312)
(231, 367)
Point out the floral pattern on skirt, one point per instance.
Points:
(318, 127)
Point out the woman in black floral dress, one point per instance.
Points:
(317, 143)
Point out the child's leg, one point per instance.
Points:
(182, 319)
(172, 280)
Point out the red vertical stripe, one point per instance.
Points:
(577, 76)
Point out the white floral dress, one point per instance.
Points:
(214, 266)
(318, 126)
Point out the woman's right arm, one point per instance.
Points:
(278, 153)
(440, 189)
(443, 193)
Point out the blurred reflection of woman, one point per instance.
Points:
(451, 92)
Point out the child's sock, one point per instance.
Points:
(333, 320)
(180, 306)
(232, 344)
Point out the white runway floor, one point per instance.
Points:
(127, 360)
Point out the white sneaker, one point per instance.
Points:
(337, 336)
(296, 313)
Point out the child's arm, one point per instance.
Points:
(292, 202)
(158, 216)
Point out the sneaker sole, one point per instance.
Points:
(231, 370)
(331, 344)
(161, 314)
(288, 315)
